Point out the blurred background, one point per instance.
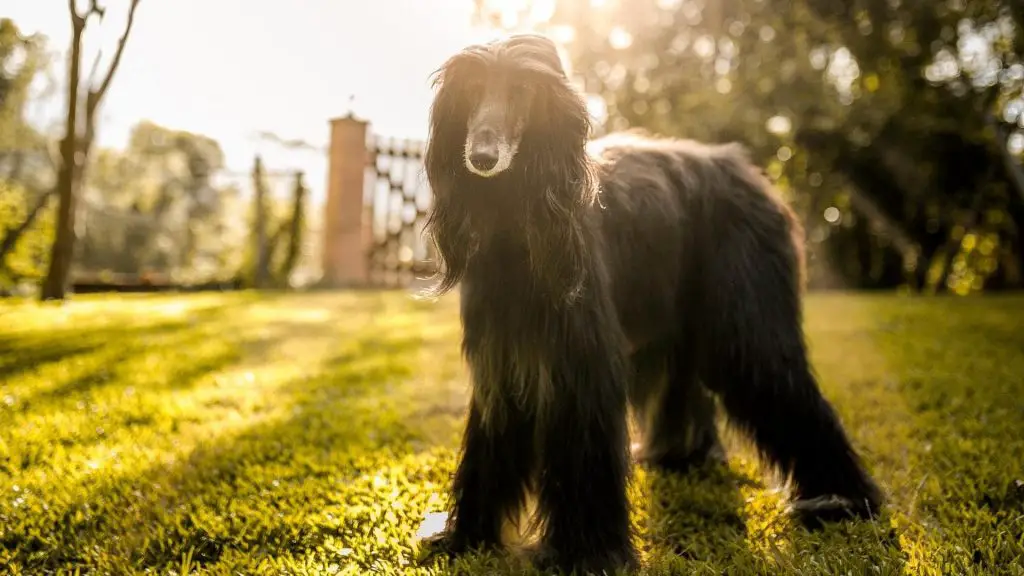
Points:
(895, 127)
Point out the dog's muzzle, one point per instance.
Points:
(487, 153)
(484, 151)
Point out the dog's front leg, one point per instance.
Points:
(493, 472)
(585, 451)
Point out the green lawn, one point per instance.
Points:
(311, 434)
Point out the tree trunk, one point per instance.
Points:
(863, 249)
(188, 250)
(55, 284)
(261, 275)
(74, 151)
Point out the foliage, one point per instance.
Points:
(26, 173)
(22, 58)
(226, 434)
(27, 261)
(295, 232)
(157, 206)
(285, 231)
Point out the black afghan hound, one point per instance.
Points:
(640, 272)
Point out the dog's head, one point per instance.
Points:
(497, 99)
(507, 152)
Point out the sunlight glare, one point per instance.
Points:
(779, 125)
(1015, 143)
(562, 34)
(509, 17)
(597, 108)
(832, 215)
(542, 10)
(509, 11)
(620, 38)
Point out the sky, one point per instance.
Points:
(231, 68)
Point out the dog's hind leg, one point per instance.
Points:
(757, 362)
(675, 412)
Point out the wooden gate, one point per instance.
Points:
(398, 198)
(376, 210)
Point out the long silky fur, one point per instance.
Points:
(628, 271)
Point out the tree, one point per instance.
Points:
(940, 158)
(26, 161)
(261, 249)
(156, 206)
(77, 144)
(22, 59)
(292, 229)
(182, 164)
(296, 225)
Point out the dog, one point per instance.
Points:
(628, 272)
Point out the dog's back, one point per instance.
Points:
(663, 200)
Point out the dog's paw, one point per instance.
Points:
(815, 513)
(447, 544)
(440, 545)
(595, 563)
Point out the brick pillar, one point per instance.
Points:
(346, 231)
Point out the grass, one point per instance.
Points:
(311, 434)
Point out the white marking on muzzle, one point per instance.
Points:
(505, 155)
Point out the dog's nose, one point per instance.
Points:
(484, 158)
(484, 154)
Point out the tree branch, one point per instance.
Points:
(95, 67)
(901, 240)
(860, 200)
(96, 96)
(95, 8)
(77, 20)
(12, 236)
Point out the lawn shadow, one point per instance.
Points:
(19, 354)
(110, 350)
(704, 522)
(309, 478)
(683, 507)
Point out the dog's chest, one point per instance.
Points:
(504, 312)
(508, 342)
